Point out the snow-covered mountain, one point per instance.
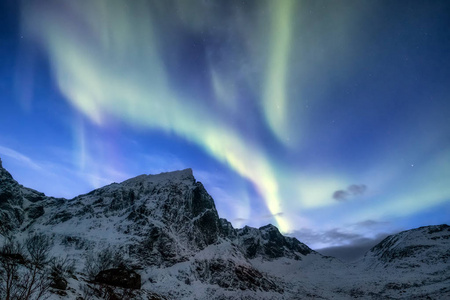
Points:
(168, 234)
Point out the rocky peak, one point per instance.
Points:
(5, 176)
(171, 214)
(181, 176)
(268, 242)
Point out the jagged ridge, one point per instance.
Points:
(168, 229)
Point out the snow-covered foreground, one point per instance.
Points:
(166, 229)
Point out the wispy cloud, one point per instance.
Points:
(352, 234)
(355, 250)
(335, 236)
(19, 157)
(240, 219)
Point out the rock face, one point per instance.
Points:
(11, 201)
(267, 241)
(168, 232)
(16, 200)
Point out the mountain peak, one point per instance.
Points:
(268, 227)
(181, 175)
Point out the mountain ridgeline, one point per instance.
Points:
(160, 237)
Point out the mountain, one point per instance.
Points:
(413, 264)
(168, 242)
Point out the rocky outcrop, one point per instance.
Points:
(59, 283)
(268, 242)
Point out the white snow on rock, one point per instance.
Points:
(167, 229)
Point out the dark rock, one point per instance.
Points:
(201, 201)
(60, 217)
(74, 241)
(155, 296)
(61, 293)
(277, 243)
(119, 277)
(438, 228)
(33, 195)
(59, 283)
(5, 195)
(268, 242)
(208, 226)
(226, 229)
(35, 212)
(255, 279)
(230, 275)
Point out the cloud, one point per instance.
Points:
(369, 224)
(352, 191)
(19, 157)
(333, 236)
(340, 195)
(355, 250)
(352, 246)
(356, 190)
(353, 233)
(240, 219)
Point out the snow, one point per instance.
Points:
(154, 221)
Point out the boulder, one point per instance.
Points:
(59, 283)
(119, 277)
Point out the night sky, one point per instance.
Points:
(328, 119)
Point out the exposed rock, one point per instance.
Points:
(268, 242)
(35, 211)
(33, 195)
(59, 283)
(11, 202)
(155, 296)
(119, 277)
(227, 274)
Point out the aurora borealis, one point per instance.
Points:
(284, 109)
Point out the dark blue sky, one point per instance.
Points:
(278, 106)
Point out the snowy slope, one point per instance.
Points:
(167, 229)
(412, 264)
